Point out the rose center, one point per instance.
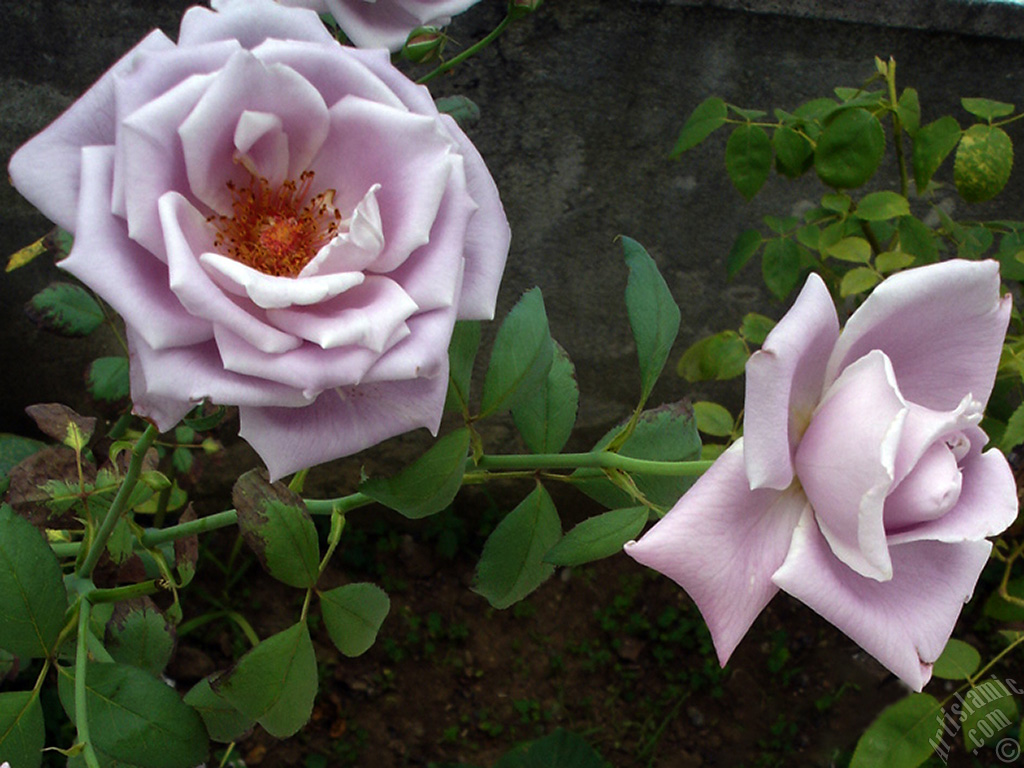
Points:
(277, 231)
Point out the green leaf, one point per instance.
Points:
(223, 722)
(781, 266)
(521, 356)
(461, 355)
(713, 419)
(882, 206)
(793, 152)
(275, 524)
(136, 718)
(512, 563)
(858, 280)
(909, 111)
(462, 109)
(755, 328)
(429, 484)
(653, 314)
(707, 118)
(665, 433)
(849, 149)
(1004, 610)
(855, 249)
(899, 736)
(782, 225)
(275, 682)
(107, 379)
(987, 109)
(32, 595)
(893, 261)
(839, 202)
(22, 735)
(974, 242)
(66, 309)
(140, 635)
(545, 418)
(990, 709)
(353, 614)
(932, 145)
(983, 162)
(917, 239)
(747, 114)
(561, 749)
(598, 537)
(748, 158)
(958, 661)
(1011, 246)
(1014, 434)
(719, 357)
(743, 249)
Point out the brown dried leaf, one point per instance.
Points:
(62, 423)
(28, 493)
(186, 550)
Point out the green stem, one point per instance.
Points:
(81, 658)
(897, 127)
(127, 592)
(473, 49)
(120, 502)
(602, 459)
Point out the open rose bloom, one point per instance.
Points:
(860, 486)
(385, 23)
(284, 224)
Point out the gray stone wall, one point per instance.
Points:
(581, 104)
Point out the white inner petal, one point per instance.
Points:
(272, 292)
(262, 146)
(354, 249)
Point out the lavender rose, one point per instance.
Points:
(385, 23)
(284, 224)
(860, 486)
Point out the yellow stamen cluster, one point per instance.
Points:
(276, 231)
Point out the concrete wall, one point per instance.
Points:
(581, 104)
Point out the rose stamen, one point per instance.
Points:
(277, 231)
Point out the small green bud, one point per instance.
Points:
(517, 9)
(424, 44)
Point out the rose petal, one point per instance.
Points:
(408, 155)
(187, 233)
(132, 280)
(927, 493)
(149, 161)
(904, 622)
(358, 246)
(196, 373)
(784, 384)
(424, 352)
(368, 315)
(336, 76)
(387, 23)
(342, 422)
(250, 22)
(433, 274)
(47, 169)
(415, 97)
(846, 460)
(153, 77)
(487, 237)
(308, 367)
(721, 543)
(987, 505)
(246, 83)
(271, 291)
(942, 327)
(262, 146)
